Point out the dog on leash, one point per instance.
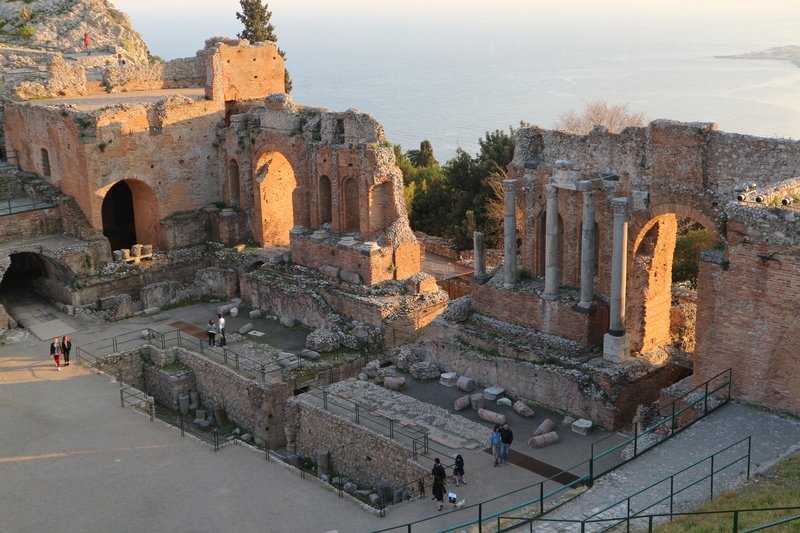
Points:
(459, 505)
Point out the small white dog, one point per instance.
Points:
(459, 505)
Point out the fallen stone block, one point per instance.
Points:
(466, 384)
(236, 301)
(330, 271)
(150, 311)
(322, 340)
(246, 437)
(310, 354)
(461, 403)
(448, 379)
(505, 402)
(545, 427)
(244, 329)
(286, 359)
(225, 309)
(363, 377)
(424, 370)
(493, 392)
(349, 276)
(582, 426)
(235, 312)
(522, 409)
(394, 382)
(568, 420)
(136, 250)
(476, 401)
(288, 322)
(256, 313)
(541, 441)
(350, 486)
(491, 416)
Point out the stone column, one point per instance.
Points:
(616, 346)
(510, 233)
(552, 261)
(479, 251)
(588, 244)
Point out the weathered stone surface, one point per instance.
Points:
(371, 369)
(350, 276)
(448, 379)
(287, 360)
(505, 402)
(244, 329)
(582, 426)
(568, 420)
(458, 310)
(385, 372)
(234, 312)
(541, 441)
(350, 486)
(491, 416)
(522, 409)
(546, 426)
(256, 313)
(288, 322)
(225, 308)
(404, 357)
(322, 340)
(461, 403)
(330, 271)
(424, 370)
(311, 355)
(465, 384)
(492, 393)
(394, 382)
(150, 311)
(476, 401)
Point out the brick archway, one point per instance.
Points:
(275, 188)
(643, 220)
(130, 214)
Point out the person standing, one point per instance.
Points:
(55, 352)
(66, 346)
(221, 329)
(458, 470)
(86, 41)
(506, 438)
(212, 333)
(439, 476)
(494, 442)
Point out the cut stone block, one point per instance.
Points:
(150, 311)
(505, 402)
(545, 427)
(491, 416)
(235, 312)
(330, 271)
(309, 354)
(541, 441)
(461, 403)
(522, 409)
(466, 384)
(287, 321)
(256, 313)
(582, 426)
(236, 301)
(246, 328)
(476, 401)
(493, 392)
(568, 420)
(350, 276)
(255, 333)
(394, 382)
(448, 379)
(225, 309)
(286, 359)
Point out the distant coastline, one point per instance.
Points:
(780, 53)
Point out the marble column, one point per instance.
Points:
(588, 244)
(616, 346)
(510, 233)
(479, 251)
(552, 246)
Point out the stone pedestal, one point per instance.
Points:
(616, 349)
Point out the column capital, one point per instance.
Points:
(509, 185)
(620, 206)
(552, 191)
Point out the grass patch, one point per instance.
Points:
(778, 487)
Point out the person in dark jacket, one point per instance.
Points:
(55, 352)
(458, 470)
(439, 476)
(66, 346)
(506, 438)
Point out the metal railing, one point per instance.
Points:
(649, 522)
(129, 396)
(10, 207)
(548, 495)
(629, 501)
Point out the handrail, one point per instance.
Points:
(33, 205)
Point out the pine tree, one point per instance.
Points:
(258, 29)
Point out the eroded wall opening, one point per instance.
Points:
(277, 187)
(45, 163)
(130, 215)
(233, 184)
(351, 211)
(324, 199)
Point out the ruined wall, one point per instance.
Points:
(183, 72)
(30, 224)
(237, 70)
(355, 451)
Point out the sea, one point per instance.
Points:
(448, 71)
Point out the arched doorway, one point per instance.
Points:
(277, 187)
(130, 214)
(661, 294)
(324, 199)
(29, 279)
(351, 217)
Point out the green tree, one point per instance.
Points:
(686, 261)
(424, 156)
(255, 18)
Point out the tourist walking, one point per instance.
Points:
(66, 346)
(221, 329)
(86, 41)
(506, 438)
(439, 477)
(458, 470)
(212, 333)
(55, 352)
(494, 442)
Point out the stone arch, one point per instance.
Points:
(324, 200)
(130, 214)
(232, 189)
(275, 199)
(649, 307)
(351, 212)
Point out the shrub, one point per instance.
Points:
(26, 31)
